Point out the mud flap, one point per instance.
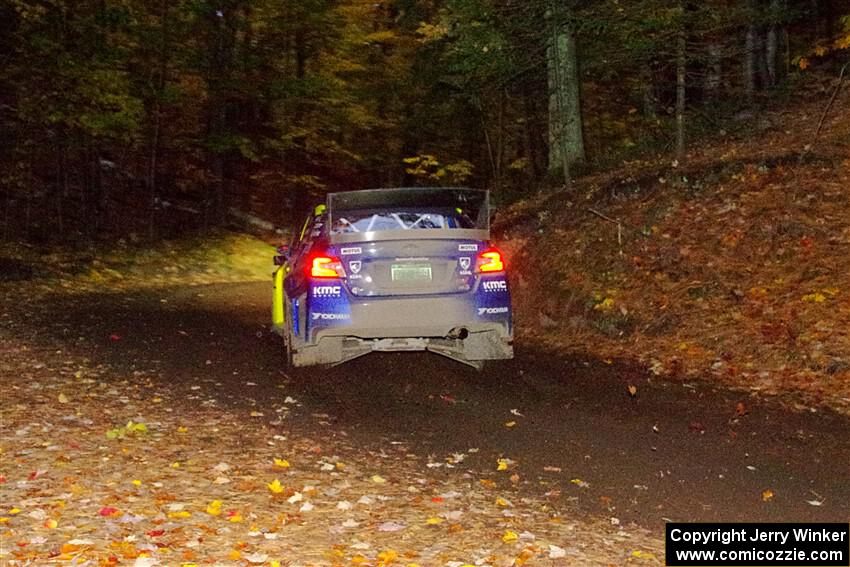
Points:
(330, 351)
(487, 345)
(278, 318)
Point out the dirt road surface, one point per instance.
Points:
(571, 432)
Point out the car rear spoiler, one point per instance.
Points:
(475, 203)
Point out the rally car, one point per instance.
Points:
(406, 269)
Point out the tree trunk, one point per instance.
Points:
(566, 140)
(500, 142)
(772, 42)
(761, 58)
(749, 73)
(681, 68)
(225, 25)
(714, 72)
(60, 192)
(156, 135)
(535, 151)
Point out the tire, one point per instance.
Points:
(287, 336)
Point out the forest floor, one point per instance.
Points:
(733, 267)
(149, 425)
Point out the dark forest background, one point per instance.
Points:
(150, 117)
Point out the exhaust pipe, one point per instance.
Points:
(458, 333)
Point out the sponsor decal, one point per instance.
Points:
(349, 251)
(499, 285)
(327, 291)
(355, 266)
(467, 247)
(492, 310)
(465, 262)
(331, 316)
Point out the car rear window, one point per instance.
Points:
(376, 220)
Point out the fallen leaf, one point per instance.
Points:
(214, 508)
(282, 463)
(509, 536)
(275, 486)
(767, 495)
(378, 479)
(556, 552)
(256, 557)
(632, 390)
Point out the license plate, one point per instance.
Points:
(411, 272)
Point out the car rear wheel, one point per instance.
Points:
(287, 336)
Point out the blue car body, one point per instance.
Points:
(395, 270)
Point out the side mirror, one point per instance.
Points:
(282, 255)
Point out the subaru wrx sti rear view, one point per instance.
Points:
(394, 270)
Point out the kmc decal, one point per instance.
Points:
(327, 291)
(500, 285)
(355, 266)
(465, 262)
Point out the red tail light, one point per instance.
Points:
(325, 267)
(491, 260)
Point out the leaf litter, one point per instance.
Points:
(104, 477)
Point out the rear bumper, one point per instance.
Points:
(476, 348)
(429, 317)
(455, 326)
